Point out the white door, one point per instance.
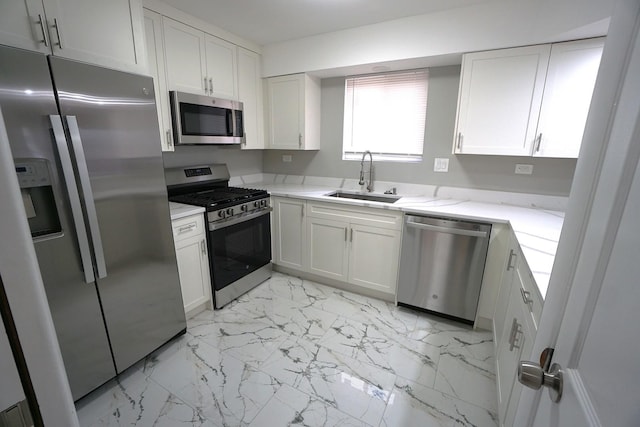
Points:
(328, 255)
(221, 67)
(373, 260)
(290, 233)
(108, 33)
(573, 67)
(185, 56)
(499, 100)
(596, 339)
(286, 111)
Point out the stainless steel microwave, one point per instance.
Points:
(201, 119)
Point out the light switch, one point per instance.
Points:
(441, 164)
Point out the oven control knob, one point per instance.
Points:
(244, 208)
(230, 211)
(263, 203)
(221, 214)
(256, 204)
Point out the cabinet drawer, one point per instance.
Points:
(372, 217)
(185, 228)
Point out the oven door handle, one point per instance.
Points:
(234, 221)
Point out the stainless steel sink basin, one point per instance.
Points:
(360, 196)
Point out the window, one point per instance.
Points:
(385, 114)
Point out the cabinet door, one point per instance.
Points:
(185, 57)
(156, 66)
(193, 268)
(23, 24)
(499, 101)
(290, 233)
(286, 111)
(573, 68)
(107, 33)
(250, 94)
(500, 314)
(328, 255)
(221, 68)
(373, 257)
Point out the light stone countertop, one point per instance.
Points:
(180, 210)
(537, 229)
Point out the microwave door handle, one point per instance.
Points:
(74, 197)
(85, 185)
(230, 123)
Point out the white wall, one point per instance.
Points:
(493, 25)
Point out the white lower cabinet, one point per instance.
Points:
(374, 257)
(356, 246)
(189, 235)
(328, 254)
(289, 232)
(514, 329)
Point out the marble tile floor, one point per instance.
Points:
(295, 352)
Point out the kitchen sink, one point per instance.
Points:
(360, 196)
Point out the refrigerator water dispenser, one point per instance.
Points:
(34, 178)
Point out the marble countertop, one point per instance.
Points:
(179, 210)
(537, 230)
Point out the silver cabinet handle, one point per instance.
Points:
(87, 192)
(300, 140)
(515, 330)
(44, 34)
(538, 142)
(206, 87)
(169, 139)
(345, 234)
(351, 235)
(210, 86)
(459, 144)
(187, 228)
(57, 27)
(512, 255)
(526, 297)
(74, 197)
(447, 230)
(203, 247)
(302, 211)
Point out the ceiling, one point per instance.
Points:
(272, 21)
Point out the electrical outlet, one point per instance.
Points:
(440, 165)
(524, 169)
(287, 158)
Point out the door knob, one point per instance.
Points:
(533, 376)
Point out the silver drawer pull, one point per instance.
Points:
(512, 255)
(515, 330)
(526, 297)
(187, 228)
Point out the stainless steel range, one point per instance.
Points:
(239, 237)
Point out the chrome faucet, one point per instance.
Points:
(362, 182)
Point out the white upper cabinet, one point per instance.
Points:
(571, 77)
(293, 110)
(250, 94)
(155, 62)
(529, 101)
(185, 57)
(198, 62)
(500, 91)
(221, 67)
(107, 33)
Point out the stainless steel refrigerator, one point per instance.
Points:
(86, 146)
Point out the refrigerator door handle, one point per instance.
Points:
(74, 197)
(85, 185)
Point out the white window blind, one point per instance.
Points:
(385, 114)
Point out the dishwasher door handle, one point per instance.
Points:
(448, 230)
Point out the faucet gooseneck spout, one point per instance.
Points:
(362, 182)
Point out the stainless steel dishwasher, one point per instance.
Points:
(441, 265)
